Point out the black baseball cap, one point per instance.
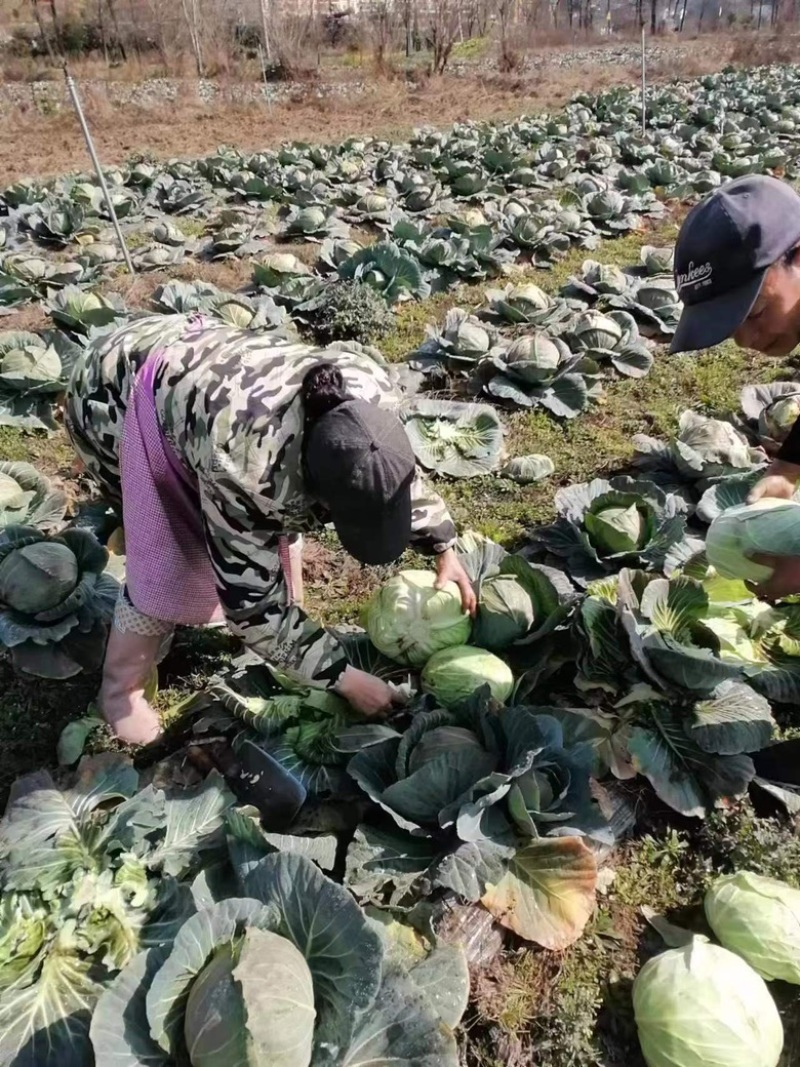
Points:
(725, 247)
(361, 465)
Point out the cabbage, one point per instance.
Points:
(617, 529)
(442, 741)
(781, 416)
(759, 919)
(454, 674)
(216, 1022)
(408, 619)
(702, 1006)
(38, 577)
(770, 526)
(506, 612)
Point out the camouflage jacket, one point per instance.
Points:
(229, 403)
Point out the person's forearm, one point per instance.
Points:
(433, 530)
(289, 639)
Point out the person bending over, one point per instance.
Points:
(221, 449)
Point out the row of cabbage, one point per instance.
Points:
(523, 348)
(449, 206)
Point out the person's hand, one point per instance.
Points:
(785, 579)
(450, 569)
(366, 693)
(779, 482)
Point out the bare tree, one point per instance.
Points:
(383, 26)
(191, 13)
(444, 30)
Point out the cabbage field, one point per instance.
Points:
(582, 818)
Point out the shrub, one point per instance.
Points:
(350, 311)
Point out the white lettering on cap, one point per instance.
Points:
(694, 276)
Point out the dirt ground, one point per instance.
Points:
(33, 144)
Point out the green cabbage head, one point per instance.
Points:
(702, 1006)
(781, 416)
(408, 619)
(454, 674)
(759, 919)
(260, 969)
(55, 600)
(617, 529)
(769, 526)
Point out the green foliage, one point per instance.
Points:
(350, 311)
(90, 874)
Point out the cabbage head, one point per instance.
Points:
(475, 773)
(55, 600)
(520, 304)
(409, 620)
(286, 972)
(606, 525)
(772, 410)
(277, 268)
(28, 498)
(759, 919)
(454, 674)
(617, 528)
(781, 416)
(709, 448)
(229, 984)
(769, 526)
(702, 1006)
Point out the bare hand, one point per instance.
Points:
(779, 482)
(785, 579)
(450, 569)
(366, 693)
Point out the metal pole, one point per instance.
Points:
(73, 92)
(263, 63)
(265, 30)
(644, 89)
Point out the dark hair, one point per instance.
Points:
(323, 390)
(790, 256)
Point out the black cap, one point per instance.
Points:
(725, 247)
(361, 465)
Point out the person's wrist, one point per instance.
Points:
(345, 680)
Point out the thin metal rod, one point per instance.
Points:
(263, 64)
(644, 89)
(76, 103)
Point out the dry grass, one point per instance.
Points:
(40, 145)
(229, 275)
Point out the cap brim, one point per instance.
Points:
(377, 539)
(711, 322)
